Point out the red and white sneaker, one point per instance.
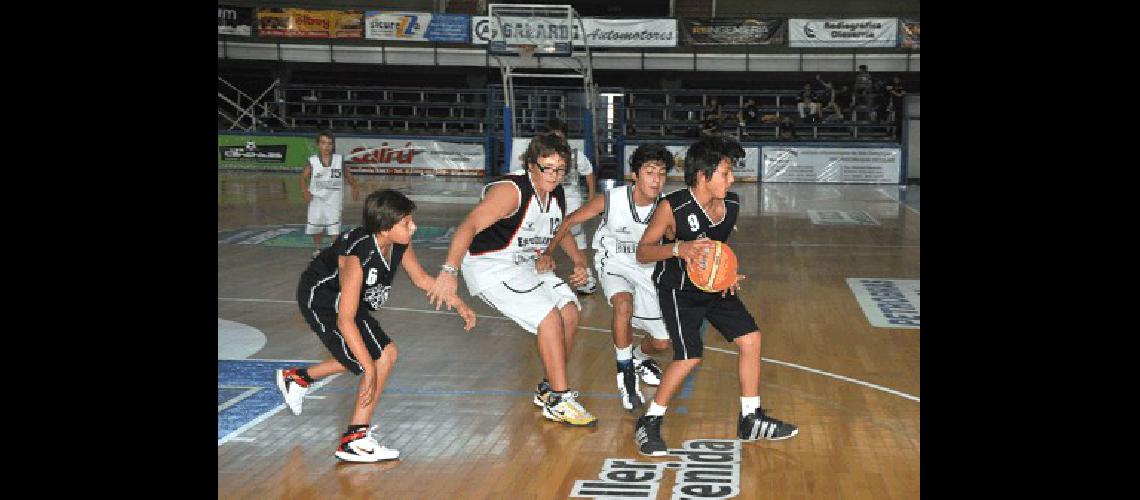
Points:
(360, 446)
(293, 388)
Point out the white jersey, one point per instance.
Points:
(512, 244)
(621, 228)
(326, 182)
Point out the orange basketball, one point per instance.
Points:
(716, 270)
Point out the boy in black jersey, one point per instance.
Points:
(681, 230)
(354, 275)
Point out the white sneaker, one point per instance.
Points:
(649, 370)
(565, 408)
(631, 396)
(293, 388)
(589, 287)
(360, 446)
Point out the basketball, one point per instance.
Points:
(716, 270)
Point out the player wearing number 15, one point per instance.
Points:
(322, 185)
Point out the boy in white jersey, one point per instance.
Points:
(627, 284)
(581, 166)
(496, 247)
(322, 185)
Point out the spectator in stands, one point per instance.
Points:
(863, 84)
(787, 129)
(831, 96)
(748, 116)
(896, 93)
(807, 100)
(710, 118)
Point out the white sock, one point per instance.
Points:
(656, 410)
(749, 405)
(639, 354)
(624, 353)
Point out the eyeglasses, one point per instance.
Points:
(558, 172)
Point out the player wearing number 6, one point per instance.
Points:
(680, 232)
(335, 293)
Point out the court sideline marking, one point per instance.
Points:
(606, 330)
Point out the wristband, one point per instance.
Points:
(449, 269)
(676, 247)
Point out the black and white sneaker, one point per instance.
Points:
(757, 425)
(543, 388)
(631, 397)
(649, 370)
(647, 436)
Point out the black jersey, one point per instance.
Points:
(321, 280)
(691, 223)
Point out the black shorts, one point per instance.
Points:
(322, 320)
(684, 311)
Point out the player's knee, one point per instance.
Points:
(551, 323)
(389, 355)
(749, 341)
(660, 345)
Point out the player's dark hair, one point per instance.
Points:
(384, 208)
(545, 145)
(326, 133)
(554, 125)
(705, 154)
(650, 152)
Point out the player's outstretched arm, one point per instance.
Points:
(424, 281)
(584, 213)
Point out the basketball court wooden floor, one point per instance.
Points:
(458, 404)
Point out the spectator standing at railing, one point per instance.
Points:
(748, 116)
(863, 84)
(831, 96)
(896, 94)
(710, 118)
(808, 100)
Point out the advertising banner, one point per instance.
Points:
(305, 23)
(876, 32)
(829, 164)
(265, 152)
(417, 26)
(745, 170)
(736, 31)
(909, 29)
(599, 32)
(371, 155)
(234, 20)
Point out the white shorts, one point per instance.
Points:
(573, 202)
(646, 307)
(324, 215)
(528, 297)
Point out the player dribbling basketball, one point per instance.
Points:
(679, 232)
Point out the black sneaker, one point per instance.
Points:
(649, 370)
(631, 397)
(647, 435)
(543, 388)
(757, 425)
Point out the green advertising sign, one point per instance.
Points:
(261, 152)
